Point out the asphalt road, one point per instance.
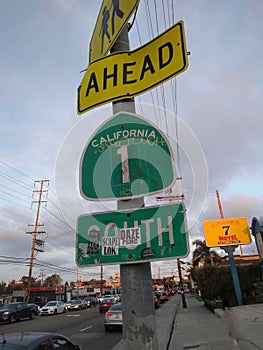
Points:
(84, 327)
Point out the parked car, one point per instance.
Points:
(113, 317)
(156, 302)
(118, 297)
(90, 301)
(35, 307)
(161, 295)
(76, 305)
(16, 311)
(164, 296)
(106, 303)
(35, 340)
(53, 308)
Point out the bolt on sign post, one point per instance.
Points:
(127, 74)
(112, 17)
(122, 237)
(136, 155)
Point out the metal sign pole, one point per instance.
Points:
(230, 250)
(139, 324)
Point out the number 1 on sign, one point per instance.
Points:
(125, 164)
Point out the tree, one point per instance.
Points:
(203, 254)
(2, 287)
(52, 281)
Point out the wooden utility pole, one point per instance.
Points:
(36, 243)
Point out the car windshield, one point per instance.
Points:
(108, 300)
(8, 307)
(51, 303)
(116, 307)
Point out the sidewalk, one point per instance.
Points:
(238, 328)
(197, 328)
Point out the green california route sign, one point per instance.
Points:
(127, 157)
(121, 237)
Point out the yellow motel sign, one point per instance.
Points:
(225, 232)
(130, 73)
(112, 18)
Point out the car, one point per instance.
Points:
(118, 297)
(76, 305)
(53, 307)
(156, 302)
(106, 303)
(35, 340)
(35, 307)
(103, 296)
(100, 298)
(16, 311)
(164, 296)
(90, 301)
(113, 317)
(161, 295)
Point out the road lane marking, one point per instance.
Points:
(72, 315)
(84, 329)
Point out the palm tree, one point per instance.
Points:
(203, 254)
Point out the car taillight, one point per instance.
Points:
(108, 314)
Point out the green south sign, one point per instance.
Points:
(121, 237)
(127, 157)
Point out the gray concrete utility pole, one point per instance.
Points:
(139, 324)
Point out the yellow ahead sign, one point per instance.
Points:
(225, 232)
(112, 17)
(130, 73)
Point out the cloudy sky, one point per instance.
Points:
(215, 105)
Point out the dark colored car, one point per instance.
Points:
(35, 341)
(106, 303)
(161, 295)
(35, 307)
(16, 311)
(156, 302)
(113, 317)
(90, 301)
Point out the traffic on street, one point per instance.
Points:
(89, 327)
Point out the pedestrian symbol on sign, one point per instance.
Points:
(113, 16)
(105, 18)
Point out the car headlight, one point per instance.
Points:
(6, 313)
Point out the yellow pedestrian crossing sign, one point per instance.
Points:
(112, 17)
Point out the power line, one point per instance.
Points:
(18, 171)
(10, 178)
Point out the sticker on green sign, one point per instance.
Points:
(121, 237)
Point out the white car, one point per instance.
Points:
(53, 308)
